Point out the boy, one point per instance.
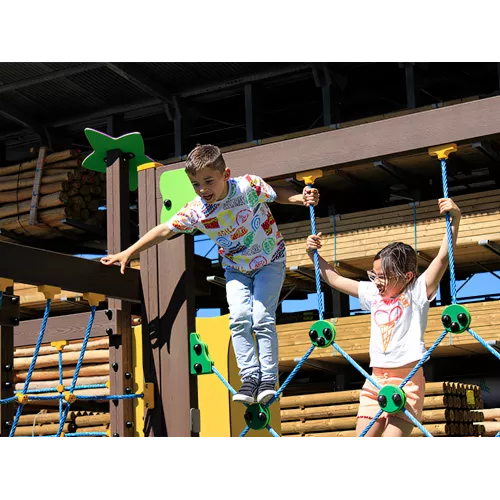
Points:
(234, 213)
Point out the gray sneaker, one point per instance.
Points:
(266, 392)
(247, 392)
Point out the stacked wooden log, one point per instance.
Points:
(46, 422)
(67, 191)
(360, 235)
(94, 369)
(447, 412)
(490, 421)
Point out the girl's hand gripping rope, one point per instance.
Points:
(313, 243)
(448, 205)
(310, 196)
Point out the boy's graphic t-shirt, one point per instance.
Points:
(241, 224)
(397, 324)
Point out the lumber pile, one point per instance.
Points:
(447, 412)
(46, 422)
(94, 369)
(67, 191)
(360, 235)
(353, 335)
(490, 421)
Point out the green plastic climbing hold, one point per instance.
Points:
(322, 333)
(131, 145)
(456, 318)
(176, 190)
(391, 398)
(199, 359)
(257, 417)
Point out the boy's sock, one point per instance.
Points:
(266, 391)
(247, 392)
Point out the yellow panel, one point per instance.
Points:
(138, 374)
(213, 396)
(220, 417)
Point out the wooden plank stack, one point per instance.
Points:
(47, 422)
(447, 412)
(360, 235)
(67, 191)
(94, 370)
(353, 335)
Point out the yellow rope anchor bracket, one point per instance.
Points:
(48, 291)
(93, 298)
(309, 176)
(5, 283)
(59, 344)
(442, 152)
(149, 395)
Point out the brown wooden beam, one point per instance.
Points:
(370, 141)
(6, 373)
(41, 267)
(169, 317)
(120, 340)
(69, 327)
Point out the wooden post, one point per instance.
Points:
(169, 316)
(336, 303)
(42, 153)
(6, 373)
(120, 340)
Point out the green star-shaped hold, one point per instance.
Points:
(129, 144)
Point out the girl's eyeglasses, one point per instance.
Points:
(372, 276)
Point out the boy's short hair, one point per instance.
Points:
(203, 156)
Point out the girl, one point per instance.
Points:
(399, 304)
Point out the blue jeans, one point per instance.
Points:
(252, 300)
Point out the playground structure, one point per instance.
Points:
(167, 272)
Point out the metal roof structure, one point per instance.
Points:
(176, 105)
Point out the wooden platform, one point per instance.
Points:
(359, 236)
(353, 336)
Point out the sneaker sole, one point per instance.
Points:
(240, 398)
(265, 396)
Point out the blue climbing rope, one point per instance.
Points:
(223, 380)
(453, 285)
(32, 365)
(110, 398)
(66, 388)
(317, 272)
(290, 377)
(78, 366)
(60, 364)
(84, 434)
(483, 343)
(415, 239)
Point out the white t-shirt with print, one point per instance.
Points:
(241, 224)
(397, 325)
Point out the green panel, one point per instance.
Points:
(176, 190)
(391, 398)
(257, 417)
(322, 333)
(456, 318)
(132, 145)
(199, 359)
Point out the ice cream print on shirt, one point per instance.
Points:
(241, 224)
(387, 313)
